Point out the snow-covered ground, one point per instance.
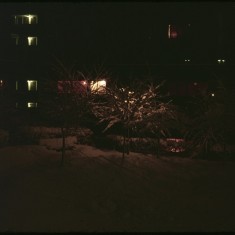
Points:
(93, 193)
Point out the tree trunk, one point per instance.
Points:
(128, 142)
(157, 147)
(123, 148)
(63, 145)
(207, 149)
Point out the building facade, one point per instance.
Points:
(21, 64)
(188, 52)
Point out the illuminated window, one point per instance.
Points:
(32, 85)
(221, 61)
(32, 105)
(15, 38)
(32, 41)
(173, 32)
(98, 86)
(26, 19)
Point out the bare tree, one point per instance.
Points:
(134, 107)
(66, 101)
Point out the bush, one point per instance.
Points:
(209, 124)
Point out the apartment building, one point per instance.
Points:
(21, 53)
(186, 51)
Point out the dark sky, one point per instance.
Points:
(132, 32)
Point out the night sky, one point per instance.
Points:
(122, 33)
(127, 32)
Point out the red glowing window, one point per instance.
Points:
(173, 31)
(72, 86)
(173, 34)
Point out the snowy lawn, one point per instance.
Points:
(93, 193)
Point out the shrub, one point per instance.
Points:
(208, 125)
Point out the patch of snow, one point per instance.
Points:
(45, 132)
(56, 143)
(93, 192)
